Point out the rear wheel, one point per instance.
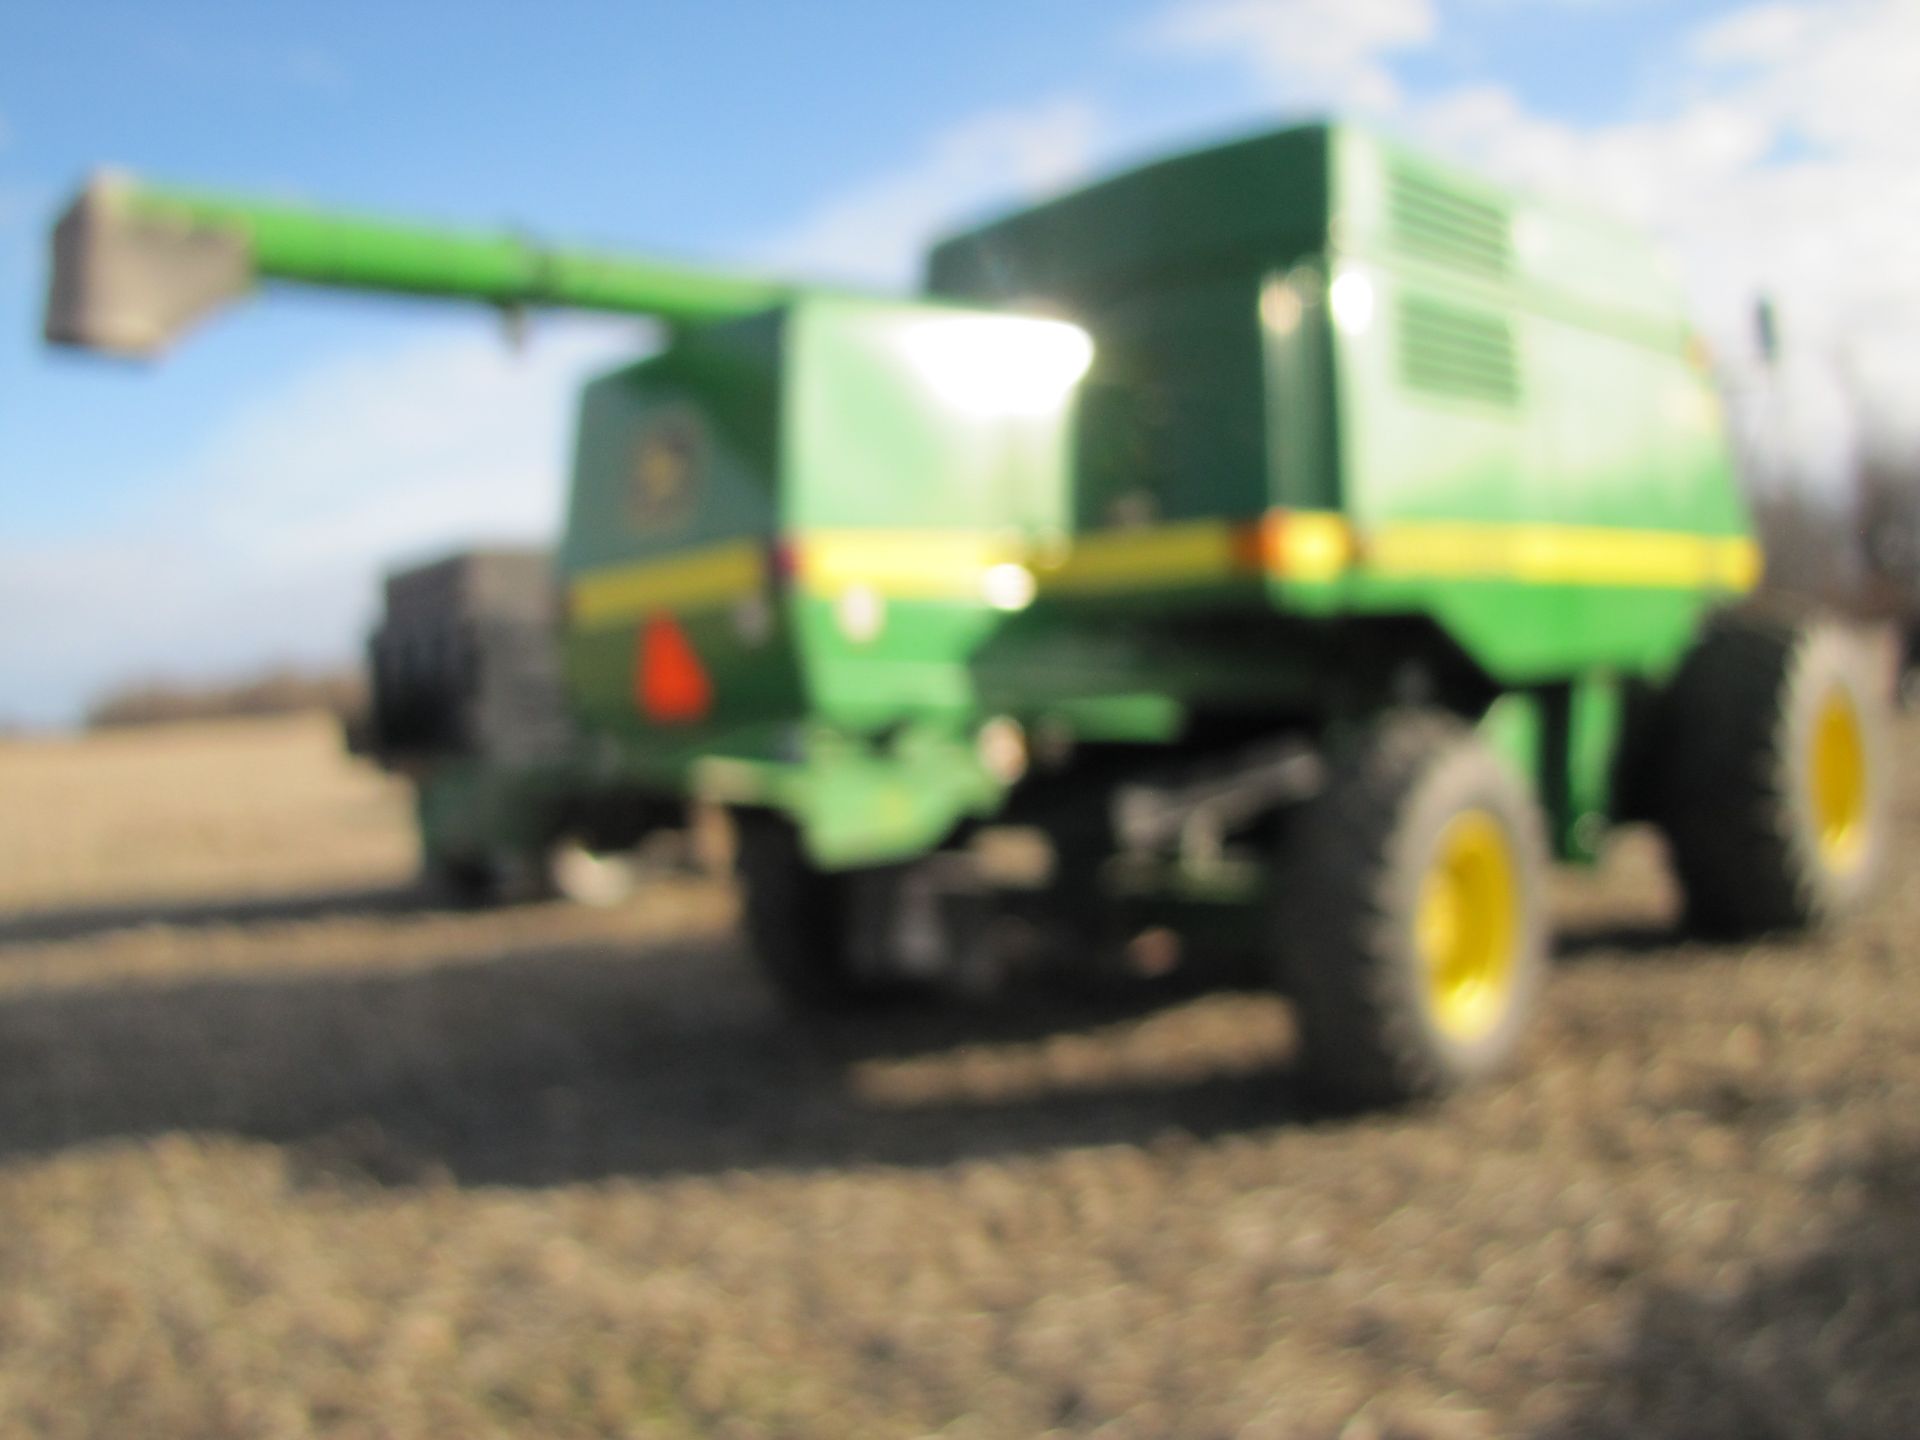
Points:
(1410, 914)
(1773, 777)
(465, 882)
(801, 921)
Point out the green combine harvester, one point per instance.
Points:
(1285, 549)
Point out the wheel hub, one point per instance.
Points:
(1839, 782)
(1467, 925)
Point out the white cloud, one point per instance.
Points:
(1760, 34)
(1308, 52)
(1838, 73)
(1792, 167)
(1499, 5)
(1792, 159)
(876, 231)
(438, 439)
(274, 533)
(1788, 163)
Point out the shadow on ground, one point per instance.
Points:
(1610, 940)
(1824, 1344)
(572, 1061)
(80, 922)
(552, 1061)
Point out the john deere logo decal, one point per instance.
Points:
(667, 461)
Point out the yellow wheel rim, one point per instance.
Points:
(1839, 782)
(1467, 926)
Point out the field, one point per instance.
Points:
(286, 1152)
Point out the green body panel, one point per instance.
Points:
(1164, 266)
(803, 442)
(881, 443)
(1235, 208)
(1543, 379)
(1521, 366)
(307, 246)
(1564, 741)
(858, 800)
(1595, 723)
(1170, 429)
(679, 454)
(1514, 726)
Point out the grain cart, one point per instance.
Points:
(1294, 545)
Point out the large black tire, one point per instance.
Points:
(1411, 914)
(1772, 769)
(798, 919)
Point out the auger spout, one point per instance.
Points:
(135, 266)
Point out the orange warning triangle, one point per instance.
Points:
(670, 682)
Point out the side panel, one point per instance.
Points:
(930, 458)
(1174, 425)
(1238, 208)
(672, 521)
(1526, 451)
(1028, 545)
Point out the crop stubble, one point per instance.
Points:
(284, 1153)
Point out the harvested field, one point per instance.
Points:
(283, 1152)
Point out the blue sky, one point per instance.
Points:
(234, 504)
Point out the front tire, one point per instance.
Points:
(1411, 914)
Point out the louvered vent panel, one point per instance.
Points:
(1466, 354)
(1437, 222)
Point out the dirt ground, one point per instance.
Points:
(284, 1152)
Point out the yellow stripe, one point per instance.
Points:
(713, 575)
(1541, 554)
(946, 564)
(1300, 545)
(1194, 550)
(909, 564)
(1307, 546)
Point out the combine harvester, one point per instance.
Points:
(1305, 541)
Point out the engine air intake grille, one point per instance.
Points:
(1437, 222)
(1462, 353)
